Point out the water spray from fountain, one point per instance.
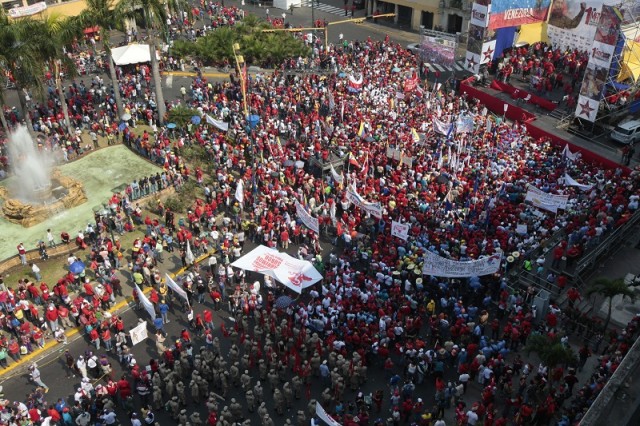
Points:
(31, 166)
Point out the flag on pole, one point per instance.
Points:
(450, 132)
(240, 192)
(361, 130)
(337, 177)
(146, 303)
(190, 258)
(176, 288)
(414, 135)
(365, 168)
(353, 160)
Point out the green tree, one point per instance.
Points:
(53, 35)
(550, 350)
(609, 289)
(19, 56)
(107, 16)
(181, 115)
(155, 13)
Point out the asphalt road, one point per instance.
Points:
(54, 374)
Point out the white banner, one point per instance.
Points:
(570, 155)
(138, 333)
(146, 303)
(337, 177)
(569, 181)
(322, 414)
(19, 12)
(219, 124)
(442, 267)
(375, 209)
(294, 273)
(441, 127)
(400, 230)
(306, 218)
(176, 288)
(541, 199)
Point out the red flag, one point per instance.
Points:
(353, 160)
(365, 168)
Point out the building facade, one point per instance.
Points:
(451, 16)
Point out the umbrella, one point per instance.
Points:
(288, 163)
(283, 302)
(126, 117)
(76, 267)
(196, 119)
(396, 69)
(171, 126)
(342, 75)
(299, 164)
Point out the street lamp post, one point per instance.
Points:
(240, 59)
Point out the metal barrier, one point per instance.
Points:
(611, 240)
(617, 401)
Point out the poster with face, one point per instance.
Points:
(475, 39)
(573, 23)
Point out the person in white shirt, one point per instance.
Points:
(472, 417)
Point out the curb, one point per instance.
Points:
(72, 332)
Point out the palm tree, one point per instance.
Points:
(155, 13)
(550, 350)
(105, 15)
(53, 35)
(19, 56)
(609, 289)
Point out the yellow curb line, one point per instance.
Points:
(72, 332)
(205, 74)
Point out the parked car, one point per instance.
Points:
(627, 133)
(413, 47)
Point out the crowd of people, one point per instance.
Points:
(430, 159)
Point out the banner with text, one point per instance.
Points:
(512, 13)
(322, 414)
(400, 230)
(294, 273)
(306, 218)
(442, 267)
(543, 200)
(138, 333)
(374, 209)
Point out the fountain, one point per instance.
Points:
(38, 190)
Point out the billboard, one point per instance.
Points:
(511, 13)
(605, 37)
(438, 50)
(573, 23)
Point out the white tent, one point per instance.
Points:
(294, 273)
(131, 54)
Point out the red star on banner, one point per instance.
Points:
(585, 109)
(488, 53)
(471, 63)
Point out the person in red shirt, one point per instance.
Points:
(34, 415)
(208, 319)
(284, 238)
(53, 413)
